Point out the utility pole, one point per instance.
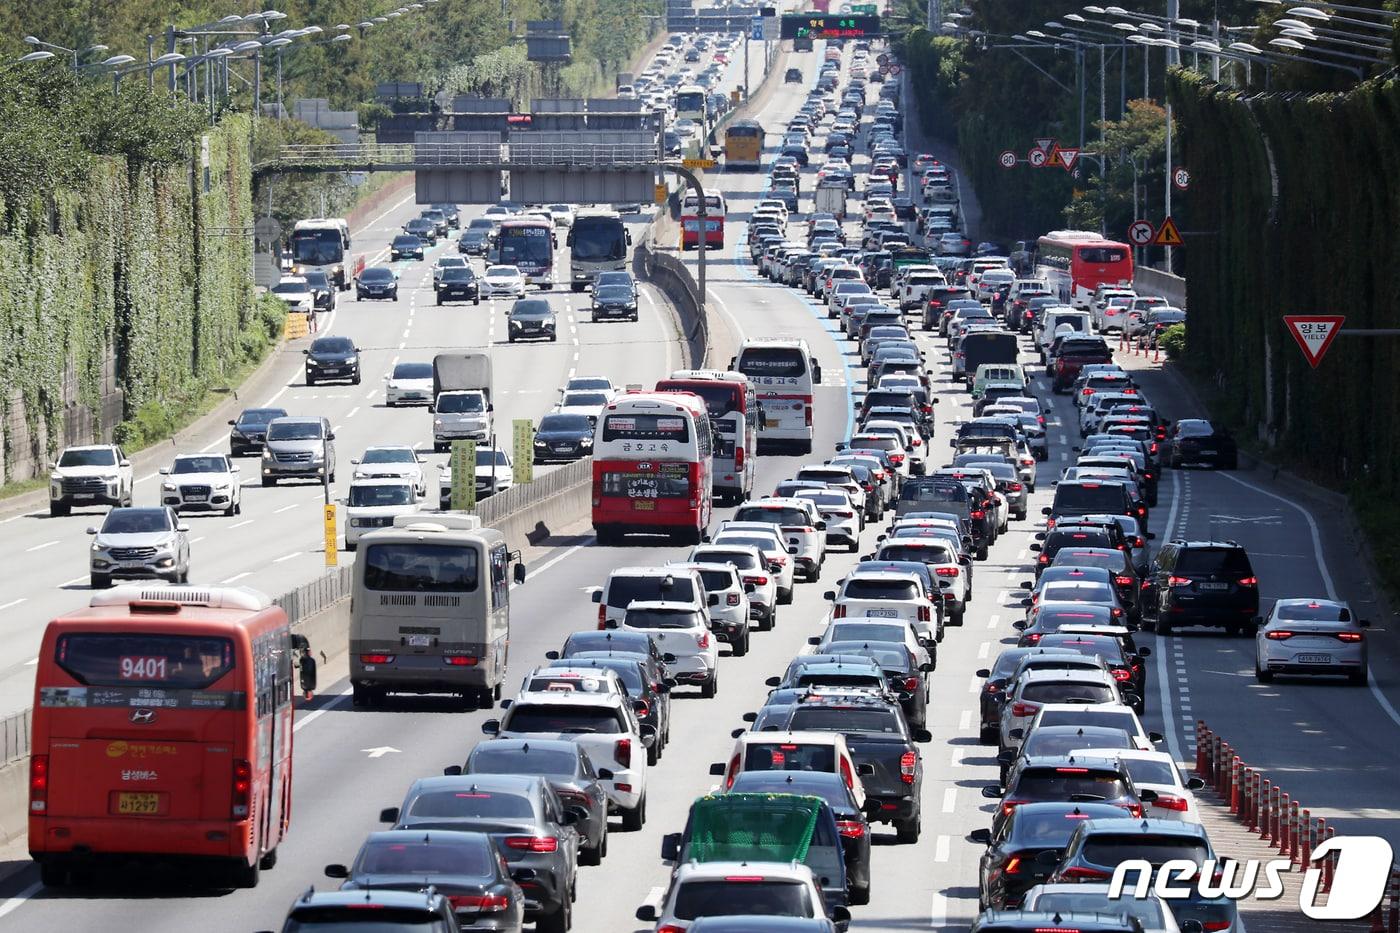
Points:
(1173, 58)
(746, 66)
(935, 16)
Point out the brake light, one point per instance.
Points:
(1088, 392)
(1178, 581)
(1123, 580)
(482, 902)
(907, 763)
(1214, 926)
(622, 752)
(376, 659)
(733, 599)
(643, 709)
(1121, 674)
(242, 788)
(978, 513)
(948, 571)
(896, 459)
(1013, 865)
(602, 616)
(733, 770)
(757, 580)
(1249, 581)
(779, 562)
(807, 410)
(38, 783)
(911, 684)
(838, 611)
(1171, 802)
(990, 687)
(1044, 558)
(846, 774)
(851, 829)
(532, 843)
(1079, 873)
(1350, 637)
(670, 928)
(1014, 487)
(738, 457)
(1008, 805)
(460, 660)
(1022, 708)
(1278, 635)
(702, 641)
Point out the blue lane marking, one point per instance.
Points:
(827, 324)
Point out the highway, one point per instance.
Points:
(1333, 741)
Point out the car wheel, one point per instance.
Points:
(958, 616)
(593, 856)
(634, 819)
(356, 380)
(988, 735)
(711, 686)
(1266, 677)
(907, 831)
(58, 509)
(1359, 679)
(559, 920)
(269, 481)
(741, 648)
(784, 596)
(100, 581)
(982, 552)
(1163, 627)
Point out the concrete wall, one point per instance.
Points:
(1155, 282)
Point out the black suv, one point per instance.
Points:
(458, 284)
(332, 358)
(1196, 441)
(249, 430)
(1201, 583)
(393, 911)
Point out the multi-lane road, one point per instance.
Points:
(1334, 741)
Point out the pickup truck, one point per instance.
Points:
(882, 746)
(1070, 354)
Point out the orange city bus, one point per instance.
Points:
(162, 728)
(743, 146)
(1073, 263)
(652, 467)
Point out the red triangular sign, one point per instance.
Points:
(1168, 234)
(1314, 333)
(1068, 157)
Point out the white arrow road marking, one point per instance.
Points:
(380, 752)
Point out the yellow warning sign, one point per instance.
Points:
(332, 546)
(698, 163)
(659, 196)
(1167, 234)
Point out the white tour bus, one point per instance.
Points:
(784, 375)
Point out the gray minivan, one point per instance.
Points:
(298, 446)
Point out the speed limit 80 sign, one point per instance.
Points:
(1007, 159)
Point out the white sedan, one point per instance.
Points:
(444, 263)
(296, 292)
(203, 482)
(1311, 636)
(409, 384)
(392, 462)
(588, 403)
(503, 281)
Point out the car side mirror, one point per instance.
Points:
(1045, 511)
(1006, 757)
(712, 599)
(717, 769)
(389, 815)
(1192, 926)
(1154, 737)
(980, 836)
(814, 640)
(923, 735)
(337, 871)
(1195, 783)
(1027, 602)
(1037, 547)
(1017, 733)
(452, 771)
(551, 655)
(232, 421)
(646, 913)
(506, 703)
(840, 914)
(865, 769)
(1027, 585)
(671, 847)
(792, 549)
(992, 792)
(1144, 652)
(164, 471)
(1147, 795)
(735, 733)
(491, 727)
(596, 596)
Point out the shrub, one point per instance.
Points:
(1173, 341)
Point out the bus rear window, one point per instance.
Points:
(646, 427)
(422, 568)
(720, 397)
(1102, 254)
(772, 361)
(188, 662)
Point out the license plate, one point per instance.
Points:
(138, 804)
(1210, 451)
(196, 498)
(1314, 659)
(562, 450)
(644, 505)
(1214, 586)
(771, 422)
(882, 613)
(84, 495)
(419, 641)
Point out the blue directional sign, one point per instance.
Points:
(756, 29)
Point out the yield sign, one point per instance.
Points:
(1044, 144)
(1168, 234)
(1314, 333)
(1068, 157)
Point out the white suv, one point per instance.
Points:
(709, 889)
(769, 542)
(97, 474)
(604, 725)
(206, 482)
(729, 607)
(626, 585)
(801, 526)
(683, 631)
(753, 570)
(884, 594)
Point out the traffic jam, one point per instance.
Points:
(966, 372)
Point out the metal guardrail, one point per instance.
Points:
(486, 156)
(318, 594)
(14, 737)
(496, 509)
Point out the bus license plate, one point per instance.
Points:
(419, 641)
(138, 804)
(771, 422)
(644, 505)
(1314, 659)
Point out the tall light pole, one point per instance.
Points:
(76, 53)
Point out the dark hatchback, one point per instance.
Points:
(335, 358)
(1008, 868)
(563, 438)
(462, 867)
(458, 284)
(322, 289)
(1201, 583)
(1196, 441)
(377, 282)
(618, 302)
(248, 432)
(531, 319)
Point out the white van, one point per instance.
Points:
(626, 585)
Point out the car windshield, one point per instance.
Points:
(427, 856)
(866, 631)
(376, 494)
(511, 758)
(258, 416)
(612, 293)
(457, 274)
(294, 431)
(413, 371)
(741, 559)
(408, 241)
(135, 521)
(845, 719)
(485, 456)
(389, 455)
(200, 465)
(565, 424)
(333, 345)
(98, 456)
(1209, 560)
(725, 897)
(1097, 497)
(481, 223)
(562, 718)
(377, 274)
(1057, 692)
(584, 398)
(1069, 781)
(470, 803)
(1062, 742)
(289, 288)
(1312, 612)
(858, 588)
(507, 272)
(316, 279)
(662, 619)
(457, 404)
(1147, 910)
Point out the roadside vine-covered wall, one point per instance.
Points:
(125, 293)
(1298, 196)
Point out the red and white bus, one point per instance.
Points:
(1075, 262)
(714, 220)
(734, 417)
(652, 467)
(162, 727)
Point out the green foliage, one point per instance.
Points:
(1298, 196)
(289, 198)
(1136, 149)
(152, 422)
(1173, 342)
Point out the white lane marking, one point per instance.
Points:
(73, 582)
(950, 799)
(354, 411)
(14, 602)
(1381, 699)
(236, 577)
(941, 848)
(938, 912)
(284, 509)
(965, 720)
(279, 560)
(317, 713)
(246, 521)
(1163, 685)
(983, 650)
(15, 902)
(40, 547)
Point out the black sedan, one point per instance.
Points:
(1195, 440)
(406, 246)
(1009, 867)
(248, 432)
(525, 819)
(377, 282)
(531, 319)
(563, 437)
(423, 228)
(461, 866)
(322, 289)
(618, 302)
(458, 283)
(569, 771)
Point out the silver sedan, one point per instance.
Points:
(1311, 636)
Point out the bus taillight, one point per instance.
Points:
(242, 787)
(807, 410)
(38, 783)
